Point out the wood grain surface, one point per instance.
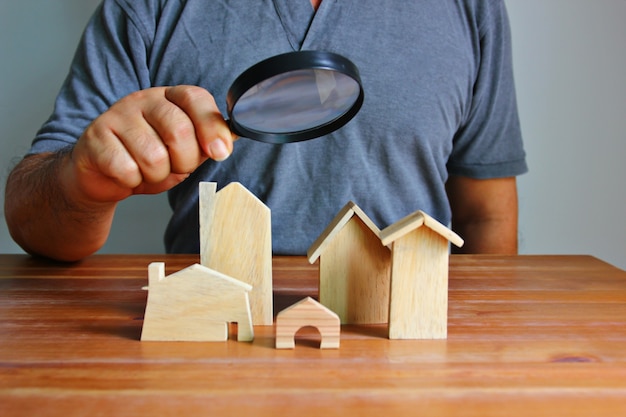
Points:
(527, 335)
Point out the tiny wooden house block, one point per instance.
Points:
(418, 306)
(354, 268)
(307, 312)
(195, 304)
(236, 239)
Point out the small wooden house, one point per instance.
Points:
(354, 268)
(418, 307)
(307, 312)
(236, 239)
(195, 304)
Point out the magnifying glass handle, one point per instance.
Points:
(231, 127)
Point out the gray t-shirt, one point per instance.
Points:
(439, 100)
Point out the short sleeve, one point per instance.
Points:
(489, 142)
(109, 63)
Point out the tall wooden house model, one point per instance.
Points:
(354, 287)
(236, 239)
(418, 307)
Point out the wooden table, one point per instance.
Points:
(528, 335)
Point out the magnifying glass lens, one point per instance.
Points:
(296, 101)
(294, 96)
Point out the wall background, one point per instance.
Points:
(570, 66)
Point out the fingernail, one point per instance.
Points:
(218, 149)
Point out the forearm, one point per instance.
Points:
(488, 236)
(484, 214)
(45, 214)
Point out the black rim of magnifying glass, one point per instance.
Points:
(280, 64)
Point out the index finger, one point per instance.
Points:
(212, 131)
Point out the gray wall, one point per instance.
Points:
(569, 65)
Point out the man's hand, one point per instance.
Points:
(61, 205)
(148, 142)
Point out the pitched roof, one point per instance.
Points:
(310, 308)
(201, 273)
(414, 221)
(341, 219)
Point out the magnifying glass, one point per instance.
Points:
(294, 97)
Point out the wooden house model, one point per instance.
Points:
(418, 307)
(354, 287)
(307, 312)
(398, 275)
(236, 239)
(195, 304)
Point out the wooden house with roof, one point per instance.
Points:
(398, 275)
(418, 307)
(236, 239)
(354, 268)
(195, 304)
(307, 312)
